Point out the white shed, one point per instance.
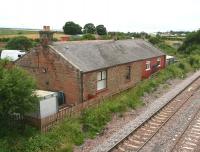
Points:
(170, 59)
(48, 104)
(12, 54)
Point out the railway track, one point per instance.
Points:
(144, 133)
(189, 139)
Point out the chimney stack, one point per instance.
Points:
(46, 36)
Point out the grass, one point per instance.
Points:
(73, 131)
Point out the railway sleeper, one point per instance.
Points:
(157, 120)
(154, 124)
(129, 145)
(134, 141)
(148, 129)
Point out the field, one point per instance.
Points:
(9, 33)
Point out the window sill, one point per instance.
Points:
(147, 69)
(102, 90)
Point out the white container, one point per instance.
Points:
(48, 104)
(12, 55)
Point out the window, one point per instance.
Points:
(101, 80)
(158, 62)
(148, 65)
(128, 75)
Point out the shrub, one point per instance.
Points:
(154, 40)
(191, 44)
(88, 37)
(19, 43)
(194, 61)
(167, 49)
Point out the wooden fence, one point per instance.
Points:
(46, 123)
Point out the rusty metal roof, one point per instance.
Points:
(98, 54)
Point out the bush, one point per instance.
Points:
(75, 38)
(194, 61)
(185, 66)
(19, 43)
(4, 39)
(167, 49)
(191, 44)
(94, 119)
(154, 40)
(88, 37)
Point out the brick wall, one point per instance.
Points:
(147, 73)
(116, 80)
(53, 73)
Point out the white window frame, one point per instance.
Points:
(159, 60)
(148, 65)
(101, 80)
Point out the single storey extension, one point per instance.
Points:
(83, 70)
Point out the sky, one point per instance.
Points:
(115, 15)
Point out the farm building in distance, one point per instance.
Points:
(90, 70)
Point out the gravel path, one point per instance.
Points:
(119, 121)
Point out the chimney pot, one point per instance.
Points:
(46, 36)
(46, 28)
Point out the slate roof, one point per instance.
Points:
(92, 55)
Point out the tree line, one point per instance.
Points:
(72, 28)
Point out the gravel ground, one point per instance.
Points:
(119, 121)
(190, 139)
(166, 138)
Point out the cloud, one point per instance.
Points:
(120, 15)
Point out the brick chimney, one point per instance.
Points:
(46, 36)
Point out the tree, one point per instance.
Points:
(101, 30)
(16, 92)
(191, 44)
(19, 43)
(72, 28)
(89, 28)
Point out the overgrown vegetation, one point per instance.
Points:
(191, 44)
(73, 131)
(20, 43)
(88, 37)
(16, 93)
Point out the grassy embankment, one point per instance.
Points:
(73, 131)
